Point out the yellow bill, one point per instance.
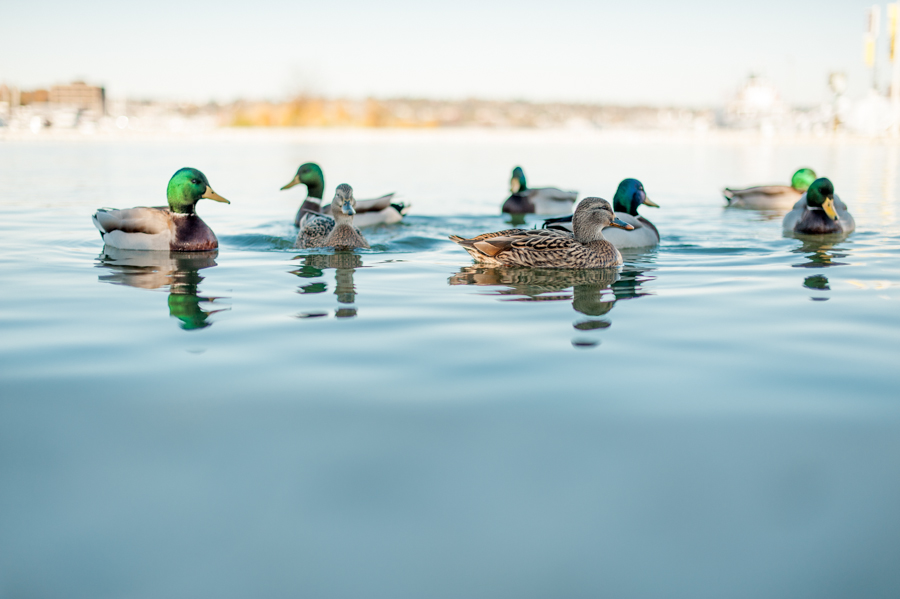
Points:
(648, 202)
(294, 181)
(514, 185)
(828, 207)
(209, 194)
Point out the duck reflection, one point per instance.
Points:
(819, 282)
(819, 254)
(593, 293)
(179, 271)
(344, 265)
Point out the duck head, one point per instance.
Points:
(591, 216)
(343, 206)
(309, 174)
(820, 195)
(187, 187)
(629, 195)
(517, 183)
(802, 179)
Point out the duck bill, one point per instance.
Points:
(294, 181)
(621, 224)
(649, 202)
(209, 194)
(347, 208)
(828, 207)
(515, 186)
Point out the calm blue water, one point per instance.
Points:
(718, 419)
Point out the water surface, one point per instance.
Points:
(717, 418)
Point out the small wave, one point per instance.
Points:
(257, 242)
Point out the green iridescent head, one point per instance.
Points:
(802, 179)
(309, 174)
(821, 195)
(187, 187)
(629, 195)
(517, 183)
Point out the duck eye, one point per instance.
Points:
(195, 181)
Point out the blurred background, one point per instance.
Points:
(768, 67)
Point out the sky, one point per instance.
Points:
(690, 53)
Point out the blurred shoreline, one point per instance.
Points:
(446, 134)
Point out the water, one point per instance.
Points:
(719, 418)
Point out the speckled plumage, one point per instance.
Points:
(551, 249)
(337, 231)
(630, 196)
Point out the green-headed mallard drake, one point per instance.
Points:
(336, 231)
(771, 197)
(819, 212)
(176, 228)
(546, 248)
(380, 211)
(541, 200)
(630, 195)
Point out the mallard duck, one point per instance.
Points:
(629, 196)
(176, 228)
(380, 211)
(552, 249)
(337, 231)
(542, 200)
(769, 197)
(819, 212)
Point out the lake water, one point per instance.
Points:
(721, 418)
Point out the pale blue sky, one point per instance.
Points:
(693, 52)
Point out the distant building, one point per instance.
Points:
(38, 96)
(79, 95)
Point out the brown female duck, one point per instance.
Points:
(319, 230)
(552, 249)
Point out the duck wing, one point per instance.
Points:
(151, 221)
(503, 233)
(553, 194)
(314, 230)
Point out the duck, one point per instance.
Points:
(380, 211)
(546, 248)
(336, 231)
(630, 195)
(819, 212)
(176, 228)
(771, 197)
(540, 200)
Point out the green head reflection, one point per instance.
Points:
(179, 271)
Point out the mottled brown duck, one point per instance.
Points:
(336, 231)
(543, 248)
